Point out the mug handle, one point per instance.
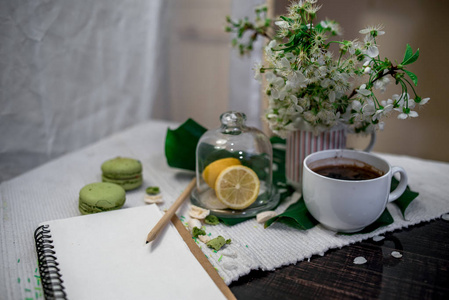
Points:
(371, 142)
(399, 190)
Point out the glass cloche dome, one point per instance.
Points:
(234, 169)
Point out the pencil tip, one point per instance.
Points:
(146, 242)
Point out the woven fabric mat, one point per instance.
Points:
(51, 192)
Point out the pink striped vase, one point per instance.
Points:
(301, 143)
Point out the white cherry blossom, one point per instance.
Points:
(311, 84)
(424, 101)
(373, 30)
(363, 91)
(411, 114)
(382, 84)
(370, 47)
(282, 24)
(257, 73)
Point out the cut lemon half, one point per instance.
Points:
(237, 187)
(213, 169)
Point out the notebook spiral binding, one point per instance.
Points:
(52, 283)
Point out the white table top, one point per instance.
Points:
(51, 192)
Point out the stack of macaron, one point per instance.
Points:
(119, 175)
(126, 172)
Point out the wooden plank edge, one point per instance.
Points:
(196, 251)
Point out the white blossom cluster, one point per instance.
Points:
(307, 84)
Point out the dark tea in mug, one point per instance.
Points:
(345, 169)
(355, 199)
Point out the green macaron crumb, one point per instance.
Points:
(197, 231)
(212, 220)
(152, 190)
(218, 242)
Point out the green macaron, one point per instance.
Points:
(126, 172)
(101, 196)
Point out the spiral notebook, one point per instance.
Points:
(104, 256)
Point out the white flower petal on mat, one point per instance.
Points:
(198, 212)
(229, 266)
(265, 216)
(151, 199)
(396, 254)
(360, 260)
(378, 238)
(204, 238)
(229, 253)
(192, 223)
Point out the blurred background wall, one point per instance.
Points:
(205, 76)
(73, 72)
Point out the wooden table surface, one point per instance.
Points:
(421, 273)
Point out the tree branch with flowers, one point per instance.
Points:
(308, 86)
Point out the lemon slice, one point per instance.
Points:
(213, 169)
(237, 187)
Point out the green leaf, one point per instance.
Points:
(286, 19)
(412, 76)
(277, 140)
(278, 161)
(384, 220)
(289, 190)
(293, 42)
(409, 57)
(296, 216)
(408, 53)
(240, 32)
(180, 145)
(405, 199)
(413, 58)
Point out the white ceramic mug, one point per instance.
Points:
(349, 205)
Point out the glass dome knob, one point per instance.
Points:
(232, 122)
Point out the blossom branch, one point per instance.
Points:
(304, 83)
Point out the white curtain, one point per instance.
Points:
(245, 93)
(73, 72)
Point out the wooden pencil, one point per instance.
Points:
(170, 212)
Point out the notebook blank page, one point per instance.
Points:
(104, 256)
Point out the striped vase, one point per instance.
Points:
(301, 143)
